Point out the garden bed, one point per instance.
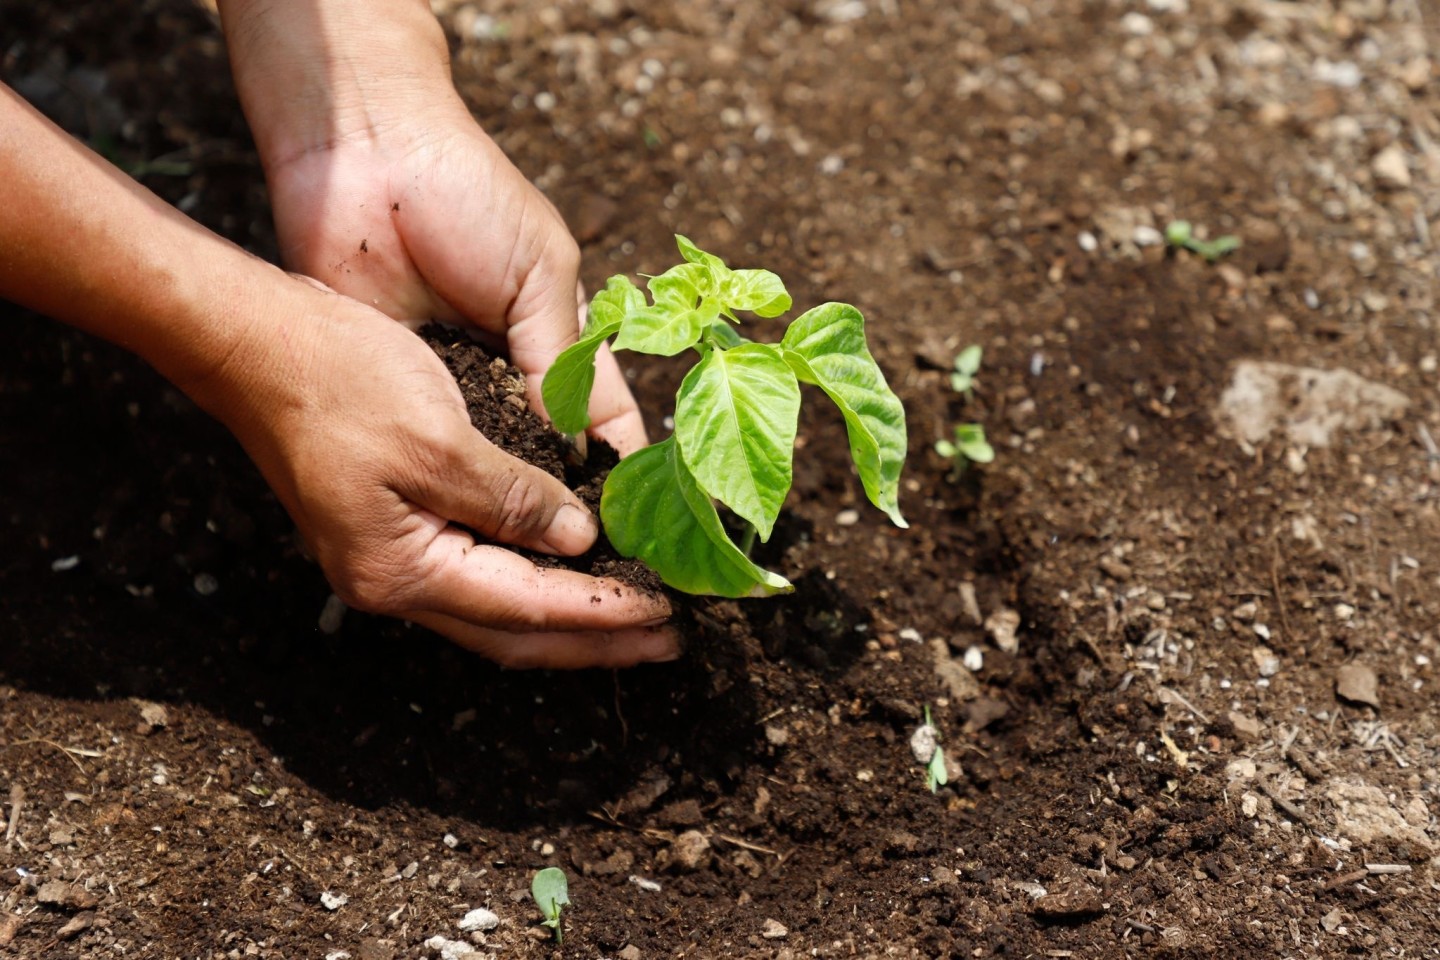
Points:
(1148, 639)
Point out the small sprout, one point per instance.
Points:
(925, 745)
(967, 364)
(969, 446)
(551, 891)
(1181, 233)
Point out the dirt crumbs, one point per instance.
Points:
(1178, 640)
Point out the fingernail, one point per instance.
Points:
(571, 532)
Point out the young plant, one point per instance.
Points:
(969, 446)
(1180, 233)
(967, 364)
(551, 891)
(925, 745)
(736, 416)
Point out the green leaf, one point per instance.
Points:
(713, 265)
(666, 329)
(679, 287)
(936, 774)
(757, 291)
(653, 510)
(735, 421)
(724, 336)
(610, 306)
(826, 346)
(967, 361)
(551, 891)
(567, 384)
(971, 442)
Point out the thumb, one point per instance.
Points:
(505, 499)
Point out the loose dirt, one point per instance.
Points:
(1134, 629)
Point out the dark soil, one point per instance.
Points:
(1159, 764)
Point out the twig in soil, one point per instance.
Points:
(746, 845)
(17, 802)
(1292, 811)
(1345, 879)
(1382, 869)
(1275, 586)
(1168, 695)
(70, 752)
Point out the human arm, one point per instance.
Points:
(351, 418)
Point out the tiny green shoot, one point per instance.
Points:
(1181, 233)
(736, 416)
(967, 364)
(969, 446)
(925, 744)
(551, 891)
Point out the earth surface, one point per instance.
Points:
(1179, 638)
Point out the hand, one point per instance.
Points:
(363, 435)
(425, 219)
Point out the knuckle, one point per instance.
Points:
(520, 508)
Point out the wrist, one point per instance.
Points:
(313, 75)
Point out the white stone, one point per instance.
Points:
(333, 901)
(479, 919)
(1307, 404)
(1137, 24)
(1391, 168)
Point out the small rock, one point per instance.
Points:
(479, 919)
(1245, 612)
(459, 949)
(774, 930)
(1333, 920)
(450, 840)
(1137, 24)
(649, 886)
(67, 896)
(1308, 405)
(1245, 726)
(847, 518)
(959, 682)
(332, 615)
(984, 711)
(1115, 569)
(690, 851)
(1343, 611)
(1265, 661)
(1358, 684)
(969, 603)
(1249, 804)
(923, 742)
(973, 659)
(78, 924)
(1391, 168)
(1001, 625)
(1075, 901)
(629, 952)
(153, 716)
(333, 901)
(1147, 236)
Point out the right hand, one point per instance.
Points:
(363, 434)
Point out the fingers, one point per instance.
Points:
(470, 481)
(614, 415)
(481, 584)
(559, 651)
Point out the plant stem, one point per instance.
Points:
(747, 539)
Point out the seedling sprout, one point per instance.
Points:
(925, 745)
(551, 891)
(967, 364)
(736, 416)
(1181, 233)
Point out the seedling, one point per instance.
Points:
(551, 891)
(969, 446)
(925, 745)
(967, 364)
(1180, 233)
(736, 416)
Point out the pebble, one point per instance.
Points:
(1343, 611)
(1147, 236)
(333, 901)
(847, 518)
(1391, 168)
(1087, 241)
(1137, 24)
(1357, 683)
(690, 851)
(1001, 625)
(450, 840)
(332, 615)
(1343, 74)
(922, 743)
(65, 563)
(832, 164)
(1245, 726)
(774, 930)
(1266, 661)
(479, 919)
(649, 886)
(974, 659)
(456, 949)
(1116, 569)
(205, 584)
(911, 634)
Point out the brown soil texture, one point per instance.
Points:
(1186, 677)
